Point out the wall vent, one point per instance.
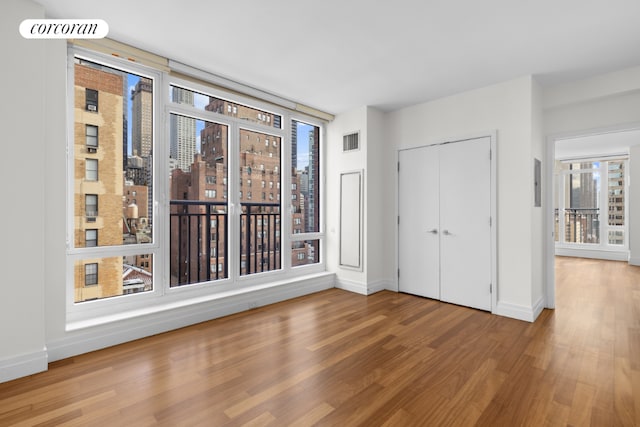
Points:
(351, 142)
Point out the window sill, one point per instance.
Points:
(238, 300)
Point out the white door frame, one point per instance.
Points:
(493, 135)
(549, 241)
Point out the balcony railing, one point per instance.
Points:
(198, 241)
(581, 225)
(199, 233)
(260, 238)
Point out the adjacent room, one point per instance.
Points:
(333, 213)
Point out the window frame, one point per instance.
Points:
(88, 311)
(320, 234)
(89, 161)
(163, 294)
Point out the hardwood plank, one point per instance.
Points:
(337, 358)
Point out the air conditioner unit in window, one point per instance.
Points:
(91, 149)
(91, 107)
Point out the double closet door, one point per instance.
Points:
(444, 246)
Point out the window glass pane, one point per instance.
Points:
(305, 252)
(91, 170)
(260, 219)
(92, 137)
(582, 215)
(616, 237)
(124, 123)
(198, 210)
(576, 165)
(222, 106)
(113, 276)
(616, 194)
(91, 238)
(305, 177)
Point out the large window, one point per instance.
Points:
(590, 203)
(183, 194)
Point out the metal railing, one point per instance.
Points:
(260, 238)
(581, 225)
(199, 231)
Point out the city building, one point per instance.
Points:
(142, 118)
(99, 183)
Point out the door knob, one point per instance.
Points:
(446, 232)
(434, 231)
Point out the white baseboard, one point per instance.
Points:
(91, 339)
(538, 307)
(593, 254)
(634, 261)
(379, 285)
(362, 288)
(23, 365)
(352, 286)
(520, 312)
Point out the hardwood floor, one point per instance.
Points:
(341, 359)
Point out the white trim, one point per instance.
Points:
(112, 331)
(538, 307)
(352, 286)
(634, 261)
(23, 365)
(593, 254)
(520, 312)
(379, 285)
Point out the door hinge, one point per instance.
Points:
(490, 155)
(490, 221)
(490, 288)
(398, 166)
(398, 273)
(398, 219)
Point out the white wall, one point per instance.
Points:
(22, 176)
(507, 108)
(538, 221)
(339, 162)
(381, 177)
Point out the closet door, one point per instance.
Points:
(418, 230)
(465, 228)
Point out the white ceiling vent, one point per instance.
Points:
(351, 142)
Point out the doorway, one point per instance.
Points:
(591, 168)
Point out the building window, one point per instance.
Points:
(91, 169)
(91, 205)
(91, 238)
(91, 100)
(90, 274)
(91, 137)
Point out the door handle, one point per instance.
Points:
(446, 232)
(434, 231)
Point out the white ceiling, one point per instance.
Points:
(336, 55)
(604, 144)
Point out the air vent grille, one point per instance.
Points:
(351, 142)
